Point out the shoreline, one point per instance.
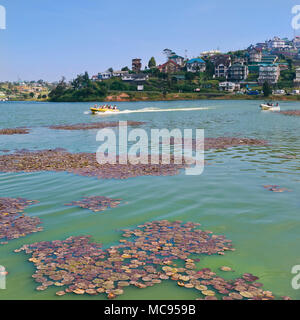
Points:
(139, 96)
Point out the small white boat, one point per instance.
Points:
(270, 107)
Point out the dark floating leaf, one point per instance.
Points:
(291, 112)
(96, 203)
(94, 125)
(218, 143)
(275, 188)
(9, 131)
(13, 223)
(84, 164)
(145, 258)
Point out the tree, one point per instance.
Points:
(82, 81)
(189, 76)
(111, 70)
(31, 94)
(152, 63)
(59, 89)
(267, 89)
(210, 69)
(125, 69)
(290, 62)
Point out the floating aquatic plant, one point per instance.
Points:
(96, 203)
(218, 143)
(145, 257)
(9, 131)
(291, 112)
(13, 223)
(84, 164)
(93, 125)
(275, 188)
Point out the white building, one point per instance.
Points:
(210, 53)
(195, 65)
(104, 75)
(296, 42)
(279, 92)
(177, 59)
(297, 79)
(135, 77)
(269, 73)
(276, 43)
(255, 55)
(229, 86)
(119, 73)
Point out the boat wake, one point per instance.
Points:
(151, 110)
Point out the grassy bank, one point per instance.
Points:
(119, 96)
(157, 96)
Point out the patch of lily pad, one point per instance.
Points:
(96, 203)
(84, 164)
(291, 112)
(146, 256)
(275, 188)
(9, 131)
(93, 125)
(219, 142)
(13, 222)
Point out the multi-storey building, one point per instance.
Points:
(255, 55)
(238, 72)
(177, 59)
(136, 65)
(268, 73)
(222, 63)
(196, 65)
(169, 67)
(297, 79)
(276, 42)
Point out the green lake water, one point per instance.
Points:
(228, 198)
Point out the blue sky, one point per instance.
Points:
(46, 39)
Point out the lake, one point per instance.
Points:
(228, 198)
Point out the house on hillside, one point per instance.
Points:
(169, 67)
(177, 59)
(297, 79)
(136, 77)
(104, 75)
(255, 55)
(136, 65)
(269, 58)
(119, 73)
(269, 73)
(238, 72)
(196, 65)
(276, 42)
(228, 86)
(222, 63)
(210, 53)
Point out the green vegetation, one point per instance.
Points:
(152, 63)
(267, 89)
(81, 89)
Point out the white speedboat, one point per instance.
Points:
(270, 107)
